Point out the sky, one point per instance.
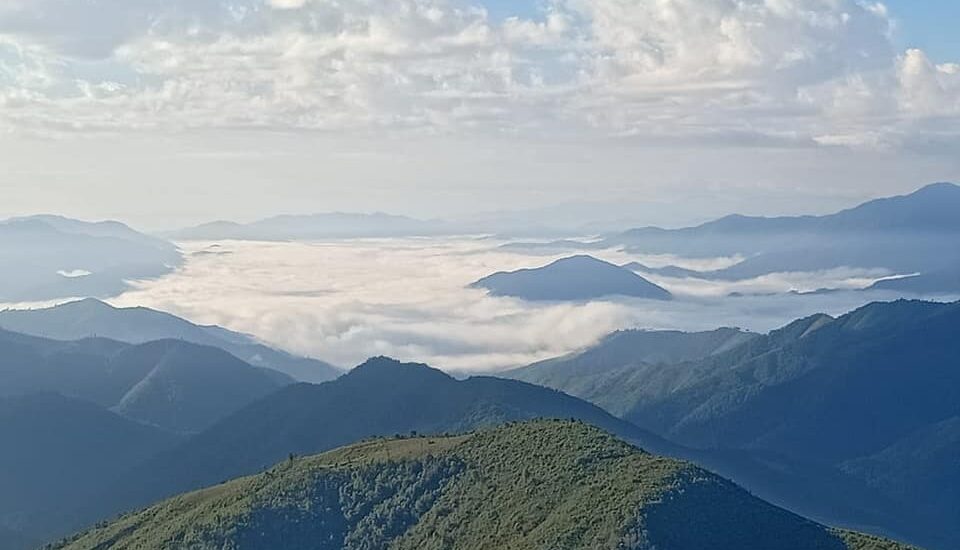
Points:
(165, 113)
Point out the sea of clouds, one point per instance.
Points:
(344, 301)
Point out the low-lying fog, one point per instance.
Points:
(408, 298)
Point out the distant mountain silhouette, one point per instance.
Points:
(90, 317)
(172, 384)
(574, 278)
(905, 234)
(315, 226)
(49, 257)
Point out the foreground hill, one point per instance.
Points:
(89, 318)
(381, 397)
(545, 484)
(574, 278)
(50, 257)
(172, 384)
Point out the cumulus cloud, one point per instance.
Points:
(408, 298)
(781, 72)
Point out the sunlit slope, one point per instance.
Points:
(542, 484)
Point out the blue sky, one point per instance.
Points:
(927, 24)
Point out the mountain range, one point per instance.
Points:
(574, 278)
(381, 397)
(333, 225)
(873, 395)
(90, 318)
(624, 366)
(51, 257)
(912, 236)
(789, 415)
(171, 384)
(528, 485)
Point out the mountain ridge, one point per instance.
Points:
(542, 484)
(93, 317)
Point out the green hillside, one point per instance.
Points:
(380, 398)
(630, 365)
(541, 484)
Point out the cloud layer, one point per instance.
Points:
(776, 72)
(408, 298)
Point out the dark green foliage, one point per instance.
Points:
(545, 484)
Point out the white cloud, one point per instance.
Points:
(753, 71)
(407, 298)
(927, 89)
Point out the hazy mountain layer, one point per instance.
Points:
(914, 234)
(49, 257)
(316, 226)
(168, 383)
(93, 318)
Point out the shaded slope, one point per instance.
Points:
(172, 384)
(921, 467)
(533, 485)
(811, 388)
(869, 395)
(58, 450)
(618, 370)
(188, 388)
(381, 397)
